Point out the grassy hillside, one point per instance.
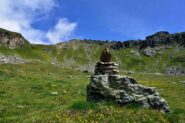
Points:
(46, 93)
(83, 54)
(80, 55)
(51, 85)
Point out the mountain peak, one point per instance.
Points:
(11, 39)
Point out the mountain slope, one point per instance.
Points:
(161, 52)
(39, 83)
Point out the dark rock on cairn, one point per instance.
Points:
(106, 84)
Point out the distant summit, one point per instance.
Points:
(157, 39)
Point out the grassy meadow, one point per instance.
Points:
(35, 92)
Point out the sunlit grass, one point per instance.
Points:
(45, 93)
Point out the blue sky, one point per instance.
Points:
(53, 21)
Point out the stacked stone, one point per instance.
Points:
(107, 84)
(108, 68)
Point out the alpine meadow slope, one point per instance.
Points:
(47, 83)
(159, 53)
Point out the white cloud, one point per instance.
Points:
(62, 31)
(19, 16)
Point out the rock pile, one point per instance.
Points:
(106, 84)
(109, 68)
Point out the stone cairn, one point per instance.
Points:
(106, 84)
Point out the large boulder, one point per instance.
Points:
(123, 90)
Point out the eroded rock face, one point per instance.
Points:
(106, 84)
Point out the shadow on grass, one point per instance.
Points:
(132, 106)
(175, 115)
(83, 105)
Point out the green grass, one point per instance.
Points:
(34, 52)
(83, 105)
(44, 93)
(41, 92)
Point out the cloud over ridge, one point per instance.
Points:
(19, 16)
(63, 30)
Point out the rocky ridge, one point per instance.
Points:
(157, 39)
(11, 39)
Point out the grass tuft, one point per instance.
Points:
(83, 105)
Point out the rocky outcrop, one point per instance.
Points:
(149, 52)
(107, 85)
(11, 60)
(175, 71)
(11, 39)
(157, 39)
